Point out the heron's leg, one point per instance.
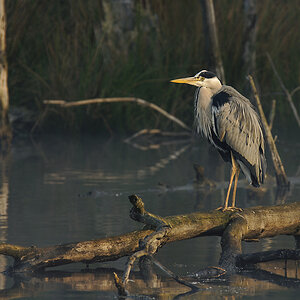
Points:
(233, 171)
(235, 185)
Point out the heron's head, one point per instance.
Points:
(204, 78)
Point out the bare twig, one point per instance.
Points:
(279, 169)
(174, 276)
(157, 132)
(288, 94)
(140, 133)
(295, 90)
(139, 101)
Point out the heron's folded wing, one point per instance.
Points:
(236, 123)
(241, 131)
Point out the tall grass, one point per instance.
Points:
(61, 50)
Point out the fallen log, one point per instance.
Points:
(234, 227)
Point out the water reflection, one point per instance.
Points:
(4, 194)
(60, 190)
(95, 176)
(99, 283)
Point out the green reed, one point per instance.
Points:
(60, 50)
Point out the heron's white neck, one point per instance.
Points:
(203, 101)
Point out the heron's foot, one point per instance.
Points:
(232, 208)
(229, 208)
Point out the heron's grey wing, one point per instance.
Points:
(236, 123)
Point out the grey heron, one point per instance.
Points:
(230, 123)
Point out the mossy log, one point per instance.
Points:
(251, 223)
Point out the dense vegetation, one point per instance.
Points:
(73, 50)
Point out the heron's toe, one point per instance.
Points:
(220, 208)
(232, 208)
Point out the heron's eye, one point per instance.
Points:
(199, 77)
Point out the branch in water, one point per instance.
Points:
(138, 101)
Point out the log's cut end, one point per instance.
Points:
(15, 251)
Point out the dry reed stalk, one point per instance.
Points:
(281, 177)
(287, 93)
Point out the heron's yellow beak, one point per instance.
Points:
(187, 80)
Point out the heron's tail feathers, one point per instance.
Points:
(263, 167)
(255, 174)
(258, 177)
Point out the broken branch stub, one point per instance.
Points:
(152, 242)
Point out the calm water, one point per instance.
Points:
(61, 189)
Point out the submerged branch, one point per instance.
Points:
(138, 101)
(258, 257)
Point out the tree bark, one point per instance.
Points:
(5, 130)
(252, 223)
(117, 28)
(249, 36)
(211, 27)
